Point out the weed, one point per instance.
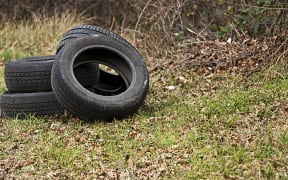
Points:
(40, 36)
(7, 55)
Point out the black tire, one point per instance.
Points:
(87, 105)
(85, 30)
(109, 83)
(21, 105)
(87, 74)
(33, 74)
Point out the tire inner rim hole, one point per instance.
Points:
(106, 72)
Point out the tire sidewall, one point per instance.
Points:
(117, 105)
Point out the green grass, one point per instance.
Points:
(210, 128)
(7, 55)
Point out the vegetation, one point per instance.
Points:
(215, 110)
(165, 17)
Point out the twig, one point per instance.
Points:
(141, 14)
(191, 31)
(264, 7)
(206, 27)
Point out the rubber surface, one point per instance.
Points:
(29, 74)
(33, 74)
(85, 30)
(109, 84)
(87, 105)
(22, 105)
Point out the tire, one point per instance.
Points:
(88, 105)
(33, 74)
(85, 30)
(21, 105)
(109, 83)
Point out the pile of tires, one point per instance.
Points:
(95, 75)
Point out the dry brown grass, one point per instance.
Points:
(38, 36)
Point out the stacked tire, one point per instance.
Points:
(74, 79)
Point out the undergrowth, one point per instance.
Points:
(37, 37)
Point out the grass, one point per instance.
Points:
(208, 127)
(39, 36)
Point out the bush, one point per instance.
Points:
(167, 17)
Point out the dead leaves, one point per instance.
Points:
(243, 55)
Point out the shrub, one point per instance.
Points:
(166, 17)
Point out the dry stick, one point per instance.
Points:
(193, 32)
(280, 47)
(122, 25)
(278, 59)
(113, 23)
(267, 62)
(204, 29)
(163, 21)
(179, 9)
(277, 21)
(269, 8)
(139, 18)
(234, 29)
